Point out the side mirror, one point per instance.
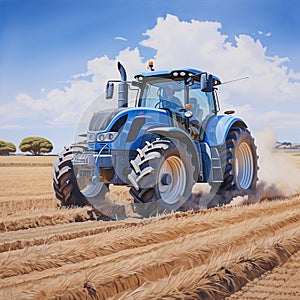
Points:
(109, 90)
(206, 83)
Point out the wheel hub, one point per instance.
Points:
(166, 179)
(172, 180)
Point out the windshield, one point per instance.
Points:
(155, 92)
(166, 93)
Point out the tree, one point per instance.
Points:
(6, 148)
(35, 145)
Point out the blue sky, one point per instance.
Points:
(44, 43)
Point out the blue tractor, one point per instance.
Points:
(159, 143)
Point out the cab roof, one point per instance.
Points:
(180, 73)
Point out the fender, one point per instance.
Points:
(182, 136)
(218, 128)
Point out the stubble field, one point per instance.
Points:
(232, 252)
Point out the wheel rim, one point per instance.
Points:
(244, 166)
(92, 190)
(88, 187)
(172, 180)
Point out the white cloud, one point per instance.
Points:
(265, 34)
(271, 95)
(120, 38)
(177, 43)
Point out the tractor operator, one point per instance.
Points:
(169, 96)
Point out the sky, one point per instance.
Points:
(56, 56)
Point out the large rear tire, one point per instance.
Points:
(162, 177)
(239, 164)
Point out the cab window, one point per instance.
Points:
(202, 103)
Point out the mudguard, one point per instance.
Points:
(218, 127)
(182, 136)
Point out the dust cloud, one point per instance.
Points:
(278, 173)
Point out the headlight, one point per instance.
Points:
(106, 137)
(111, 136)
(91, 137)
(100, 137)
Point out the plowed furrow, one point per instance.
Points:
(41, 235)
(223, 274)
(191, 250)
(48, 217)
(176, 258)
(11, 205)
(29, 164)
(106, 243)
(121, 255)
(52, 216)
(58, 254)
(283, 282)
(60, 232)
(73, 269)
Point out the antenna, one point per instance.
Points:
(230, 81)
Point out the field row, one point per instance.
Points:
(29, 228)
(283, 282)
(190, 255)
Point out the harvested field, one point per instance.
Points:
(232, 252)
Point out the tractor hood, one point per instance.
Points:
(101, 119)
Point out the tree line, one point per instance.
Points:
(33, 144)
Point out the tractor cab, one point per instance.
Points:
(189, 101)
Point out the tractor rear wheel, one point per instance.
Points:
(239, 165)
(162, 177)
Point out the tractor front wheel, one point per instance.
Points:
(66, 186)
(162, 177)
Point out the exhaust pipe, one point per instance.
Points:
(122, 72)
(123, 87)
